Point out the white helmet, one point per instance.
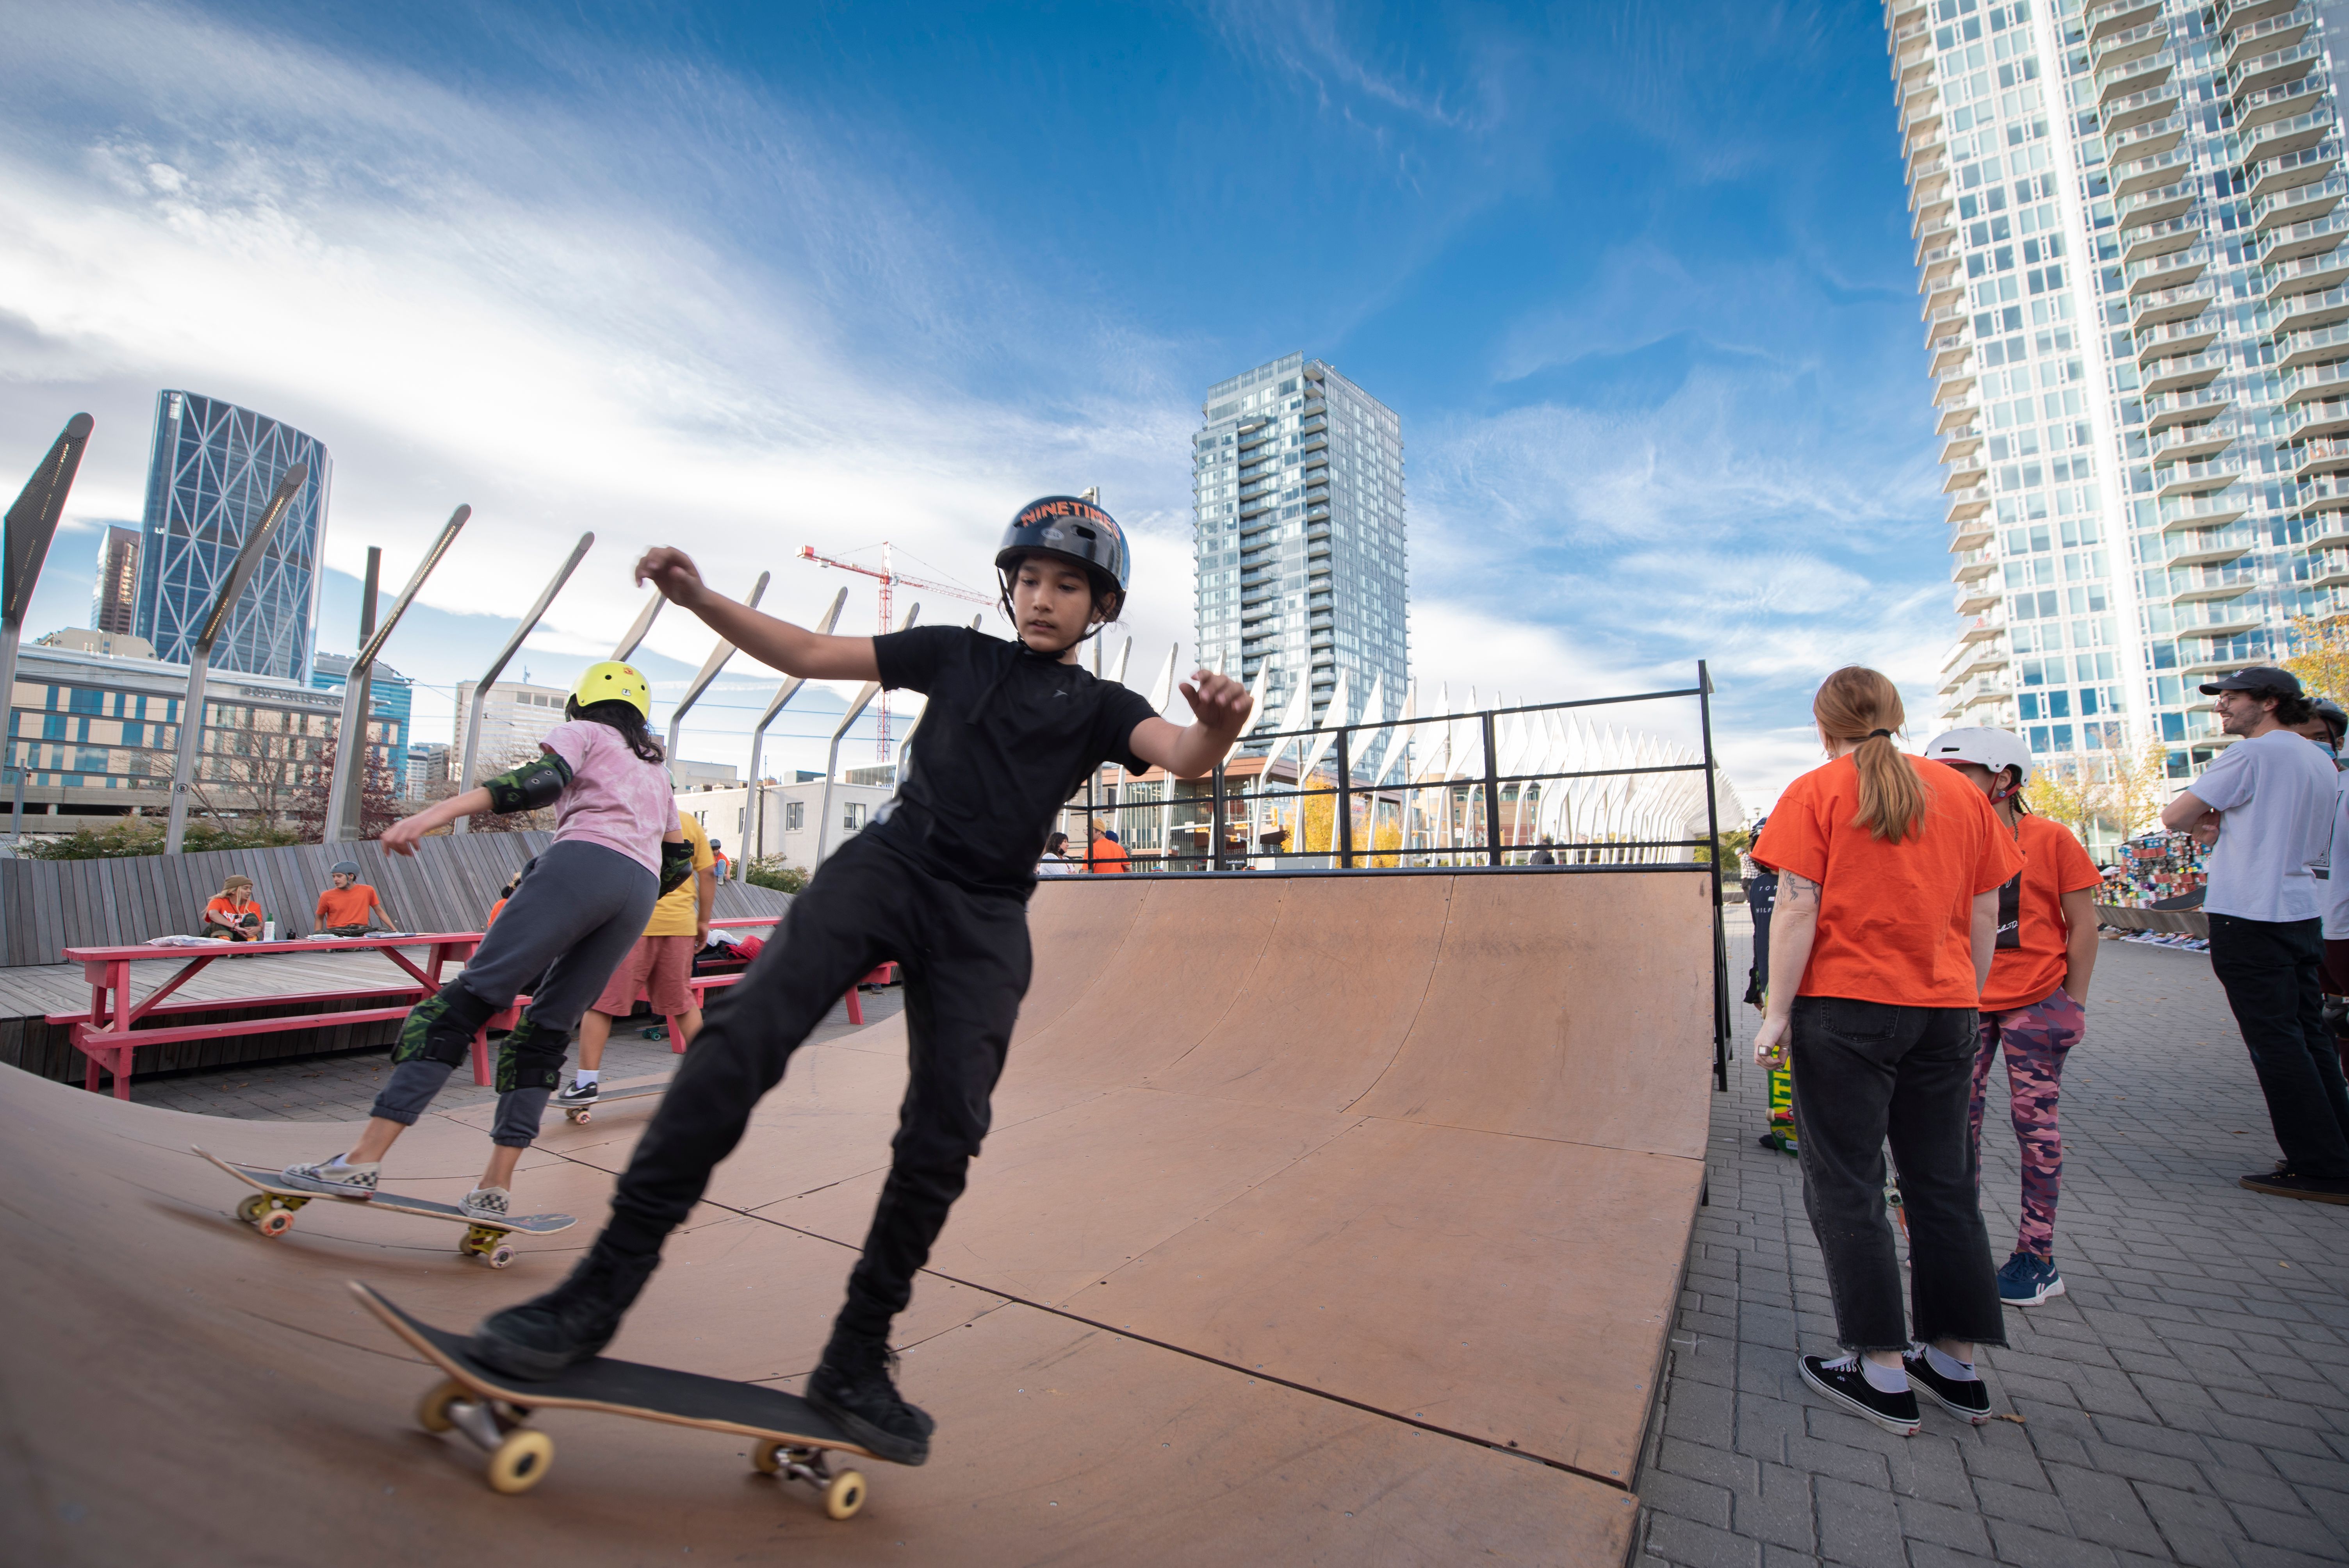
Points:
(1996, 749)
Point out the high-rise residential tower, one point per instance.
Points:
(2127, 215)
(214, 468)
(1298, 479)
(114, 593)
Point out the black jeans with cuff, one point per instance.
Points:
(1864, 1072)
(2274, 974)
(966, 963)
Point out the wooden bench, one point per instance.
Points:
(117, 1023)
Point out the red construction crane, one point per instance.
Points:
(888, 579)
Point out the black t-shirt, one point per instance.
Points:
(1007, 738)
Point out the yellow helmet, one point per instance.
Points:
(612, 681)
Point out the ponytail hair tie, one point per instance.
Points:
(1874, 733)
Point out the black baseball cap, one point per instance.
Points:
(2265, 680)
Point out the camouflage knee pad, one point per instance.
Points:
(442, 1028)
(531, 1057)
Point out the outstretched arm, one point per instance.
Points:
(400, 839)
(1192, 750)
(794, 650)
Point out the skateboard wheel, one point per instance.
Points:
(432, 1410)
(521, 1461)
(499, 1257)
(252, 1207)
(845, 1495)
(766, 1458)
(275, 1222)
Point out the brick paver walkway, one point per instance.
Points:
(2188, 1401)
(341, 1087)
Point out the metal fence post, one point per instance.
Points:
(1346, 805)
(1216, 823)
(1713, 854)
(1492, 794)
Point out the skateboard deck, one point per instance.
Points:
(579, 1114)
(276, 1197)
(491, 1408)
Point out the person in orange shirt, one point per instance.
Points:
(1881, 942)
(2035, 1008)
(350, 907)
(1105, 856)
(232, 913)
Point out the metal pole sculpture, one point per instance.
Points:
(199, 652)
(905, 745)
(514, 645)
(642, 623)
(32, 524)
(704, 676)
(864, 694)
(756, 844)
(350, 777)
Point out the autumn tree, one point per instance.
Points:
(2319, 655)
(2139, 789)
(2066, 792)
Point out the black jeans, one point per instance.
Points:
(1865, 1072)
(965, 961)
(2274, 974)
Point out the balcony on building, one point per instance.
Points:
(2299, 205)
(1925, 136)
(2312, 238)
(2147, 140)
(1950, 351)
(2196, 478)
(2173, 269)
(2164, 306)
(2315, 383)
(2313, 419)
(1962, 444)
(1973, 598)
(2300, 312)
(2272, 104)
(2278, 142)
(1933, 214)
(1911, 43)
(2247, 40)
(2151, 204)
(2184, 370)
(2323, 493)
(2202, 510)
(2103, 18)
(2325, 529)
(2208, 546)
(1968, 503)
(2306, 274)
(2191, 406)
(2238, 14)
(2209, 585)
(1949, 389)
(1940, 267)
(2141, 74)
(2220, 618)
(2174, 338)
(2148, 240)
(1944, 233)
(1943, 302)
(2276, 72)
(2324, 455)
(1966, 476)
(2115, 49)
(1973, 531)
(1958, 416)
(2328, 569)
(2153, 171)
(1928, 183)
(2264, 177)
(1900, 14)
(1974, 566)
(2188, 443)
(2157, 102)
(1921, 103)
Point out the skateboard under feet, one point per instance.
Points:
(276, 1199)
(792, 1438)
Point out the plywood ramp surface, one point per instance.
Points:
(1324, 1221)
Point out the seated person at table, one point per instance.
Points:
(233, 915)
(350, 907)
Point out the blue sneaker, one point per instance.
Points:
(2027, 1281)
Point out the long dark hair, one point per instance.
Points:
(624, 717)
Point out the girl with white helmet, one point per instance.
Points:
(2034, 1010)
(617, 848)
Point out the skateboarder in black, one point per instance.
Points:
(938, 882)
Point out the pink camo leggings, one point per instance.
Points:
(2035, 1039)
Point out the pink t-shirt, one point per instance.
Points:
(615, 797)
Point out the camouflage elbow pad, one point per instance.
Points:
(677, 866)
(536, 783)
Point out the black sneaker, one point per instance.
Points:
(853, 1387)
(1969, 1400)
(568, 1324)
(576, 1093)
(1845, 1383)
(2290, 1184)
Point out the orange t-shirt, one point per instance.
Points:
(2054, 864)
(236, 915)
(1108, 858)
(493, 916)
(346, 905)
(1895, 920)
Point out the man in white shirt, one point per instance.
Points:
(2265, 805)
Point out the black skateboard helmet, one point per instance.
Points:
(1072, 530)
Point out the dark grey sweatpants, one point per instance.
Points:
(573, 919)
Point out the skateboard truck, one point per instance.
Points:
(844, 1494)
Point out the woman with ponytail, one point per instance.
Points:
(1881, 942)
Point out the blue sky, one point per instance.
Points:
(1636, 277)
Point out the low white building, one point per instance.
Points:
(791, 812)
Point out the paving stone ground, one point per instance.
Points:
(340, 1088)
(2187, 1401)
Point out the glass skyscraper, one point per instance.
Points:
(214, 468)
(2126, 215)
(1299, 497)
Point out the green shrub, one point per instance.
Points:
(144, 836)
(769, 870)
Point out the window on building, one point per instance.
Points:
(851, 815)
(795, 816)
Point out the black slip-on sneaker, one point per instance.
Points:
(854, 1387)
(1845, 1384)
(2290, 1184)
(1968, 1401)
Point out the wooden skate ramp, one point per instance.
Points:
(1326, 1219)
